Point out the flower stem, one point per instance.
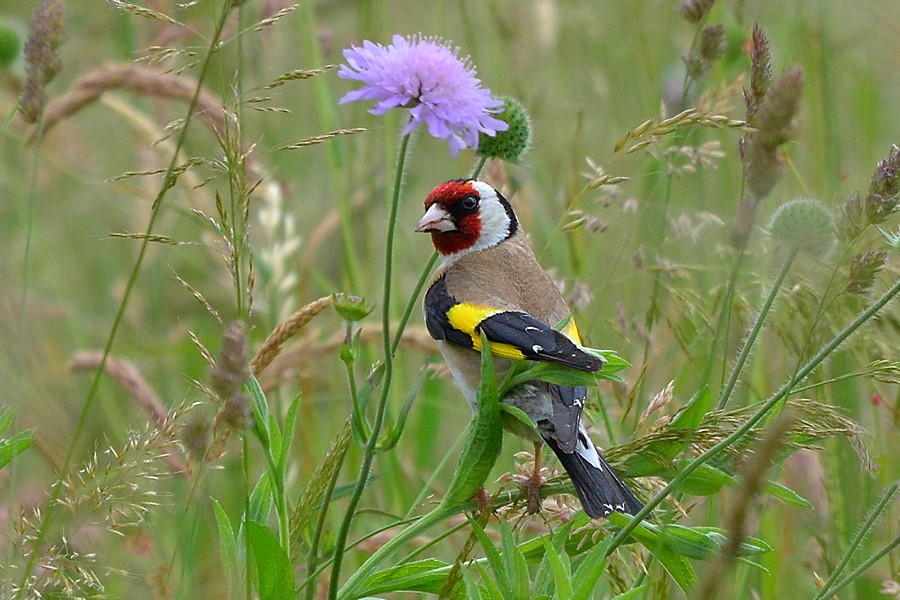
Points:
(754, 331)
(340, 541)
(782, 393)
(829, 589)
(859, 570)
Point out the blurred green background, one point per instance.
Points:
(587, 72)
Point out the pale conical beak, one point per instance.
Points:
(436, 218)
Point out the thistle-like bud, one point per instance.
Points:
(232, 368)
(693, 11)
(512, 144)
(352, 308)
(42, 60)
(805, 224)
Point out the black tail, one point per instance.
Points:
(600, 490)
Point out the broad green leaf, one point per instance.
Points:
(425, 576)
(677, 565)
(12, 447)
(483, 442)
(227, 547)
(787, 495)
(274, 573)
(691, 415)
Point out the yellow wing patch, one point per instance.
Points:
(466, 317)
(571, 332)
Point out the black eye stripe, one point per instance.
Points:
(470, 202)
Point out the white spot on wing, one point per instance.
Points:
(537, 348)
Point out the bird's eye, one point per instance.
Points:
(469, 202)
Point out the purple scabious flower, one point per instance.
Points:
(426, 76)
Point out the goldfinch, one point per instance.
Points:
(489, 281)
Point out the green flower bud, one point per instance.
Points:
(805, 224)
(352, 308)
(511, 144)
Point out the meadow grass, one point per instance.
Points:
(758, 418)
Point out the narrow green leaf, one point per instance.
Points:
(543, 579)
(227, 547)
(6, 417)
(275, 576)
(562, 573)
(638, 592)
(260, 411)
(706, 480)
(484, 439)
(12, 447)
(425, 576)
(261, 499)
(787, 495)
(676, 564)
(495, 560)
(691, 415)
(589, 571)
(290, 424)
(515, 564)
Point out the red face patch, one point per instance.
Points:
(468, 227)
(450, 192)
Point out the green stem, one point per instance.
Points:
(861, 533)
(859, 570)
(168, 182)
(413, 298)
(768, 405)
(340, 541)
(755, 329)
(313, 562)
(428, 521)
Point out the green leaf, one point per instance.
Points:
(261, 499)
(484, 439)
(638, 592)
(290, 424)
(706, 480)
(12, 447)
(227, 547)
(589, 571)
(676, 564)
(691, 415)
(515, 564)
(562, 573)
(518, 414)
(787, 495)
(260, 411)
(425, 576)
(275, 576)
(501, 575)
(6, 418)
(544, 576)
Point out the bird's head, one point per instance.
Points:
(466, 215)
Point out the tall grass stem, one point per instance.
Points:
(750, 340)
(340, 541)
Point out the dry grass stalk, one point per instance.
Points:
(126, 374)
(285, 366)
(286, 330)
(140, 79)
(752, 479)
